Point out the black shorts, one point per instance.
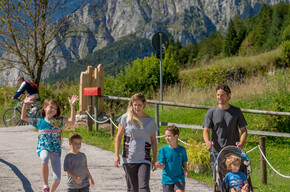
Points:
(84, 189)
(173, 187)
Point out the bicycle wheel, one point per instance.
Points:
(12, 117)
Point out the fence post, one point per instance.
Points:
(96, 101)
(157, 120)
(89, 120)
(112, 126)
(263, 161)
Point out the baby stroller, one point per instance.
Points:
(221, 170)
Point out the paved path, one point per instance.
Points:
(20, 166)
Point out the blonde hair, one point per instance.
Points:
(231, 159)
(131, 115)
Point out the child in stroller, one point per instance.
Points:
(221, 169)
(235, 180)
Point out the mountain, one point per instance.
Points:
(102, 22)
(112, 57)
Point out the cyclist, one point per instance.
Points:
(30, 87)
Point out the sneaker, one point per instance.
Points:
(46, 189)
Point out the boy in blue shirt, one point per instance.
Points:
(172, 159)
(235, 181)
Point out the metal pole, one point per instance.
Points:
(161, 85)
(157, 120)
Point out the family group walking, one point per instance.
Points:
(138, 132)
(137, 129)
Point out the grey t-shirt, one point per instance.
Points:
(225, 126)
(77, 163)
(137, 143)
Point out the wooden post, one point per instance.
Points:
(157, 120)
(96, 110)
(112, 126)
(89, 120)
(91, 79)
(263, 161)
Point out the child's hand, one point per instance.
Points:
(73, 99)
(27, 101)
(154, 165)
(159, 165)
(92, 183)
(245, 187)
(186, 173)
(78, 180)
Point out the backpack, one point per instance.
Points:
(32, 84)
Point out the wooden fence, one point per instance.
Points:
(158, 103)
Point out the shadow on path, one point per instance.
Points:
(25, 182)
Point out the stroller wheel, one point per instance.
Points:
(216, 189)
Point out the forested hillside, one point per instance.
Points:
(252, 36)
(112, 58)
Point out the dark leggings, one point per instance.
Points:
(137, 177)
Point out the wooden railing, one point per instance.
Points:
(157, 103)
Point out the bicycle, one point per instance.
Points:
(12, 116)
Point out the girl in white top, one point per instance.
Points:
(139, 130)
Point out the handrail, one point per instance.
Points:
(252, 132)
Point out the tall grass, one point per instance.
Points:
(232, 67)
(251, 87)
(246, 90)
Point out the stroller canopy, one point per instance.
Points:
(232, 150)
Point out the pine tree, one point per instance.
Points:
(263, 25)
(275, 31)
(231, 45)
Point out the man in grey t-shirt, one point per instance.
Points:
(224, 121)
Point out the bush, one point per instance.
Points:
(286, 34)
(198, 156)
(286, 53)
(60, 92)
(213, 74)
(143, 76)
(281, 104)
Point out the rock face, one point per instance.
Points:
(102, 22)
